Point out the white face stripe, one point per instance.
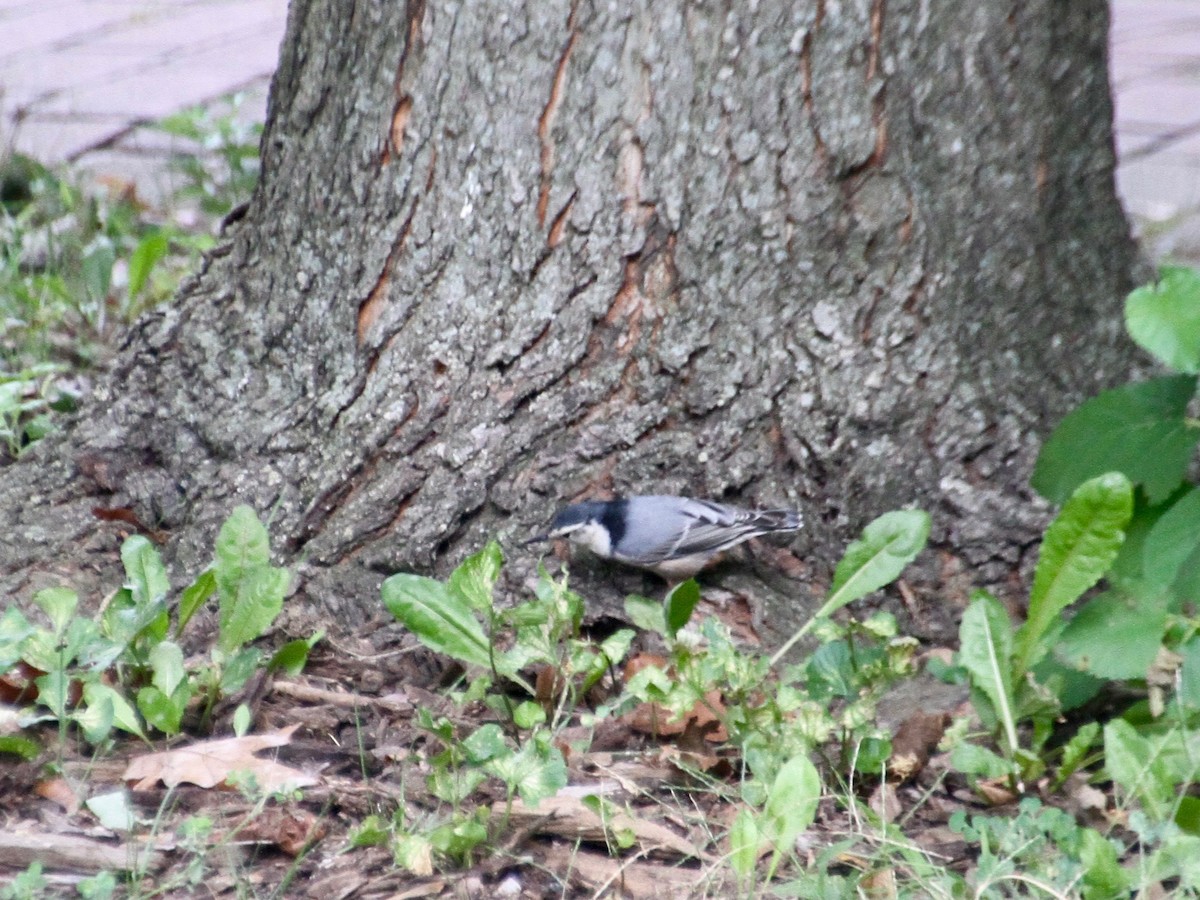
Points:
(594, 536)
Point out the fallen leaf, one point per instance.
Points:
(291, 830)
(60, 791)
(210, 763)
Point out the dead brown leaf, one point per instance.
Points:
(291, 830)
(210, 763)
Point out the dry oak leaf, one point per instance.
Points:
(210, 763)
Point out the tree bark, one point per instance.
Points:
(846, 256)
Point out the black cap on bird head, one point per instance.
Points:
(571, 517)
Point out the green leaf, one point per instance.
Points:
(159, 710)
(476, 576)
(250, 611)
(124, 716)
(1079, 546)
(241, 719)
(98, 262)
(1171, 552)
(646, 614)
(242, 544)
(1137, 767)
(528, 714)
(113, 809)
(744, 843)
(533, 771)
(985, 650)
(166, 661)
(485, 743)
(147, 577)
(791, 803)
(293, 656)
(251, 590)
(146, 255)
(441, 620)
(972, 759)
(58, 604)
(1114, 637)
(238, 669)
(679, 605)
(1189, 674)
(1103, 875)
(1140, 429)
(1164, 318)
(14, 629)
(15, 745)
(887, 545)
(194, 596)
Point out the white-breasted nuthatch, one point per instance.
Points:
(674, 537)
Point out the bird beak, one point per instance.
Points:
(536, 540)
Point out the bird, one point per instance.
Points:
(674, 537)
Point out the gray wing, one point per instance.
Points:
(685, 527)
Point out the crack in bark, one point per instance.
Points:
(550, 112)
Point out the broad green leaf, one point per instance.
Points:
(534, 772)
(123, 714)
(242, 719)
(254, 602)
(528, 714)
(679, 605)
(238, 668)
(1134, 763)
(1114, 637)
(1171, 551)
(15, 745)
(1164, 318)
(166, 661)
(1079, 546)
(972, 759)
(485, 743)
(98, 261)
(887, 545)
(1140, 429)
(160, 711)
(146, 255)
(59, 605)
(744, 843)
(1189, 674)
(52, 692)
(293, 656)
(475, 578)
(985, 650)
(1103, 875)
(791, 803)
(646, 614)
(441, 620)
(251, 590)
(194, 596)
(14, 629)
(242, 544)
(95, 719)
(147, 577)
(113, 810)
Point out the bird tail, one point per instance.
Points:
(778, 519)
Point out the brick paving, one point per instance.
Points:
(78, 78)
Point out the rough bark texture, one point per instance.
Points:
(842, 255)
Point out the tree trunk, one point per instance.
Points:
(842, 255)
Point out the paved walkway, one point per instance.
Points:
(77, 78)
